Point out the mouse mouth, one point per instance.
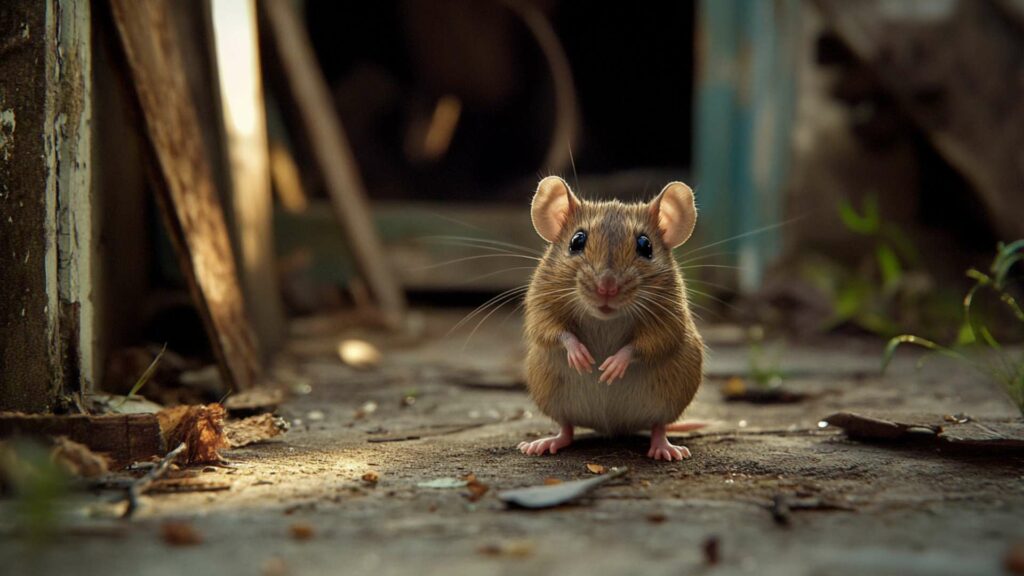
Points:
(605, 309)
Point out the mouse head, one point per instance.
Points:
(615, 257)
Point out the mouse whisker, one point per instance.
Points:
(478, 257)
(507, 293)
(470, 241)
(713, 297)
(743, 235)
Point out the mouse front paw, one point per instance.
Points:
(578, 355)
(614, 367)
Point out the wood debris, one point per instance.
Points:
(201, 428)
(254, 429)
(255, 401)
(508, 549)
(123, 438)
(952, 431)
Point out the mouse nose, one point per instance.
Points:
(607, 286)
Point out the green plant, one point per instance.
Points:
(1000, 364)
(765, 369)
(38, 484)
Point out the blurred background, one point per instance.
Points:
(850, 161)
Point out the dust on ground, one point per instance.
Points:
(767, 491)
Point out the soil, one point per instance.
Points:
(767, 491)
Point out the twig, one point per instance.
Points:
(139, 486)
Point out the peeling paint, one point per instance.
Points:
(8, 123)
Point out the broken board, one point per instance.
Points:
(125, 438)
(184, 182)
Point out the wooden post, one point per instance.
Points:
(46, 221)
(244, 121)
(322, 126)
(184, 182)
(745, 99)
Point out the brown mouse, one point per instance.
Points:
(609, 292)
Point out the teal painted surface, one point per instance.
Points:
(746, 93)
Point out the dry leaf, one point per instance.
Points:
(77, 459)
(302, 531)
(201, 428)
(359, 354)
(477, 489)
(551, 481)
(254, 429)
(596, 469)
(656, 518)
(734, 387)
(509, 549)
(371, 477)
(180, 534)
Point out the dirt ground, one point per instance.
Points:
(857, 508)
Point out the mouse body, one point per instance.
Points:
(608, 293)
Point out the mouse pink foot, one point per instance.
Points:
(662, 449)
(550, 444)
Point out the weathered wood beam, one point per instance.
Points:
(323, 128)
(184, 182)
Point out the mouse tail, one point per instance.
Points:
(685, 426)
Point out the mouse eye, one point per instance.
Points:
(644, 247)
(578, 242)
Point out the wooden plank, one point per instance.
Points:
(184, 183)
(953, 68)
(322, 126)
(245, 137)
(126, 438)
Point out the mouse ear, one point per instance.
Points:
(675, 213)
(552, 205)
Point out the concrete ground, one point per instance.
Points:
(866, 509)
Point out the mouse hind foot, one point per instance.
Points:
(662, 449)
(551, 444)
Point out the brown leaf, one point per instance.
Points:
(201, 428)
(180, 534)
(254, 429)
(477, 490)
(508, 549)
(302, 531)
(371, 477)
(77, 459)
(596, 468)
(551, 481)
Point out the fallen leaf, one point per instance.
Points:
(734, 387)
(359, 354)
(1013, 561)
(711, 550)
(443, 483)
(596, 469)
(77, 459)
(657, 518)
(371, 477)
(508, 549)
(254, 429)
(477, 489)
(180, 534)
(536, 497)
(551, 481)
(302, 531)
(200, 427)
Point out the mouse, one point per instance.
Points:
(611, 344)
